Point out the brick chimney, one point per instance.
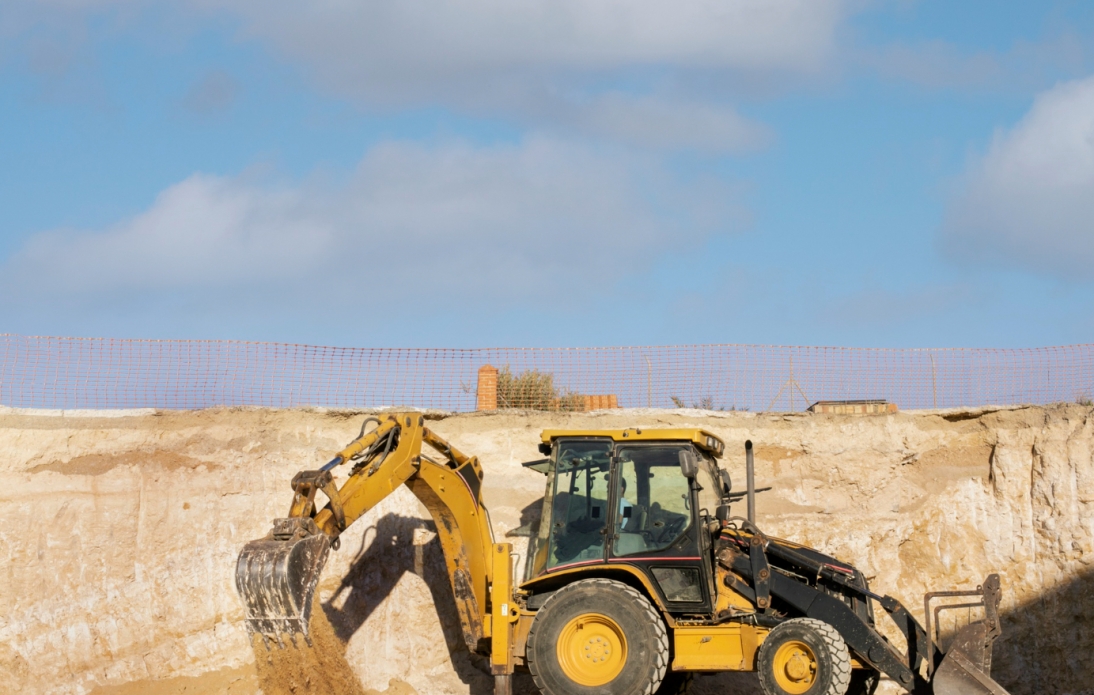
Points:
(487, 389)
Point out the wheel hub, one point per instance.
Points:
(592, 649)
(795, 667)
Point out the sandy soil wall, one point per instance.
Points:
(118, 538)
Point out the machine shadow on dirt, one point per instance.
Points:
(389, 550)
(1048, 642)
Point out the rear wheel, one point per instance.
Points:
(804, 657)
(597, 637)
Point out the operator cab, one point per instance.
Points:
(631, 497)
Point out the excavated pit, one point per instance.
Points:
(119, 533)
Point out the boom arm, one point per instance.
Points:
(277, 575)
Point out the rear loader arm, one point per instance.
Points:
(277, 575)
(777, 570)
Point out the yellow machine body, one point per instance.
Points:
(716, 647)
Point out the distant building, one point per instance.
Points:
(853, 407)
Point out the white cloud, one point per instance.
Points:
(554, 64)
(670, 124)
(551, 65)
(936, 64)
(54, 41)
(217, 91)
(362, 45)
(543, 221)
(391, 48)
(1025, 67)
(67, 18)
(1029, 202)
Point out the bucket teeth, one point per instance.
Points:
(276, 579)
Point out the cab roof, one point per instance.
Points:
(702, 439)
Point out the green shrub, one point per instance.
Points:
(535, 390)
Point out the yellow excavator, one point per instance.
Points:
(637, 577)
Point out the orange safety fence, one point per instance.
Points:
(50, 372)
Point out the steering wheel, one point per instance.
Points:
(672, 530)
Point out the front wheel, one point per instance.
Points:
(804, 657)
(597, 637)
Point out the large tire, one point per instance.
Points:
(864, 681)
(597, 637)
(804, 657)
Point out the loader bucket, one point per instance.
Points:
(965, 668)
(276, 578)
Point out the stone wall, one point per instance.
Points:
(119, 532)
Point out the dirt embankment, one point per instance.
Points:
(118, 537)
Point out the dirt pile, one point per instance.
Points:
(119, 534)
(298, 670)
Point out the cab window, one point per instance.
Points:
(710, 489)
(579, 510)
(654, 505)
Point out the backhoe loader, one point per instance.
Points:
(637, 579)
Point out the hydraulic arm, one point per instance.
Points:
(277, 575)
(775, 569)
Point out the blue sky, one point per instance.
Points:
(576, 172)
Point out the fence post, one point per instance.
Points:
(649, 383)
(487, 394)
(934, 382)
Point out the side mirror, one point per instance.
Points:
(689, 464)
(727, 484)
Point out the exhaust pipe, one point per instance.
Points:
(750, 482)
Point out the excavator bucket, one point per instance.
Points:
(276, 578)
(965, 667)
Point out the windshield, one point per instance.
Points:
(579, 509)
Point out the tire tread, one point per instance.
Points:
(837, 649)
(660, 650)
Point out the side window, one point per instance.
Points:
(654, 507)
(629, 517)
(579, 511)
(710, 489)
(679, 583)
